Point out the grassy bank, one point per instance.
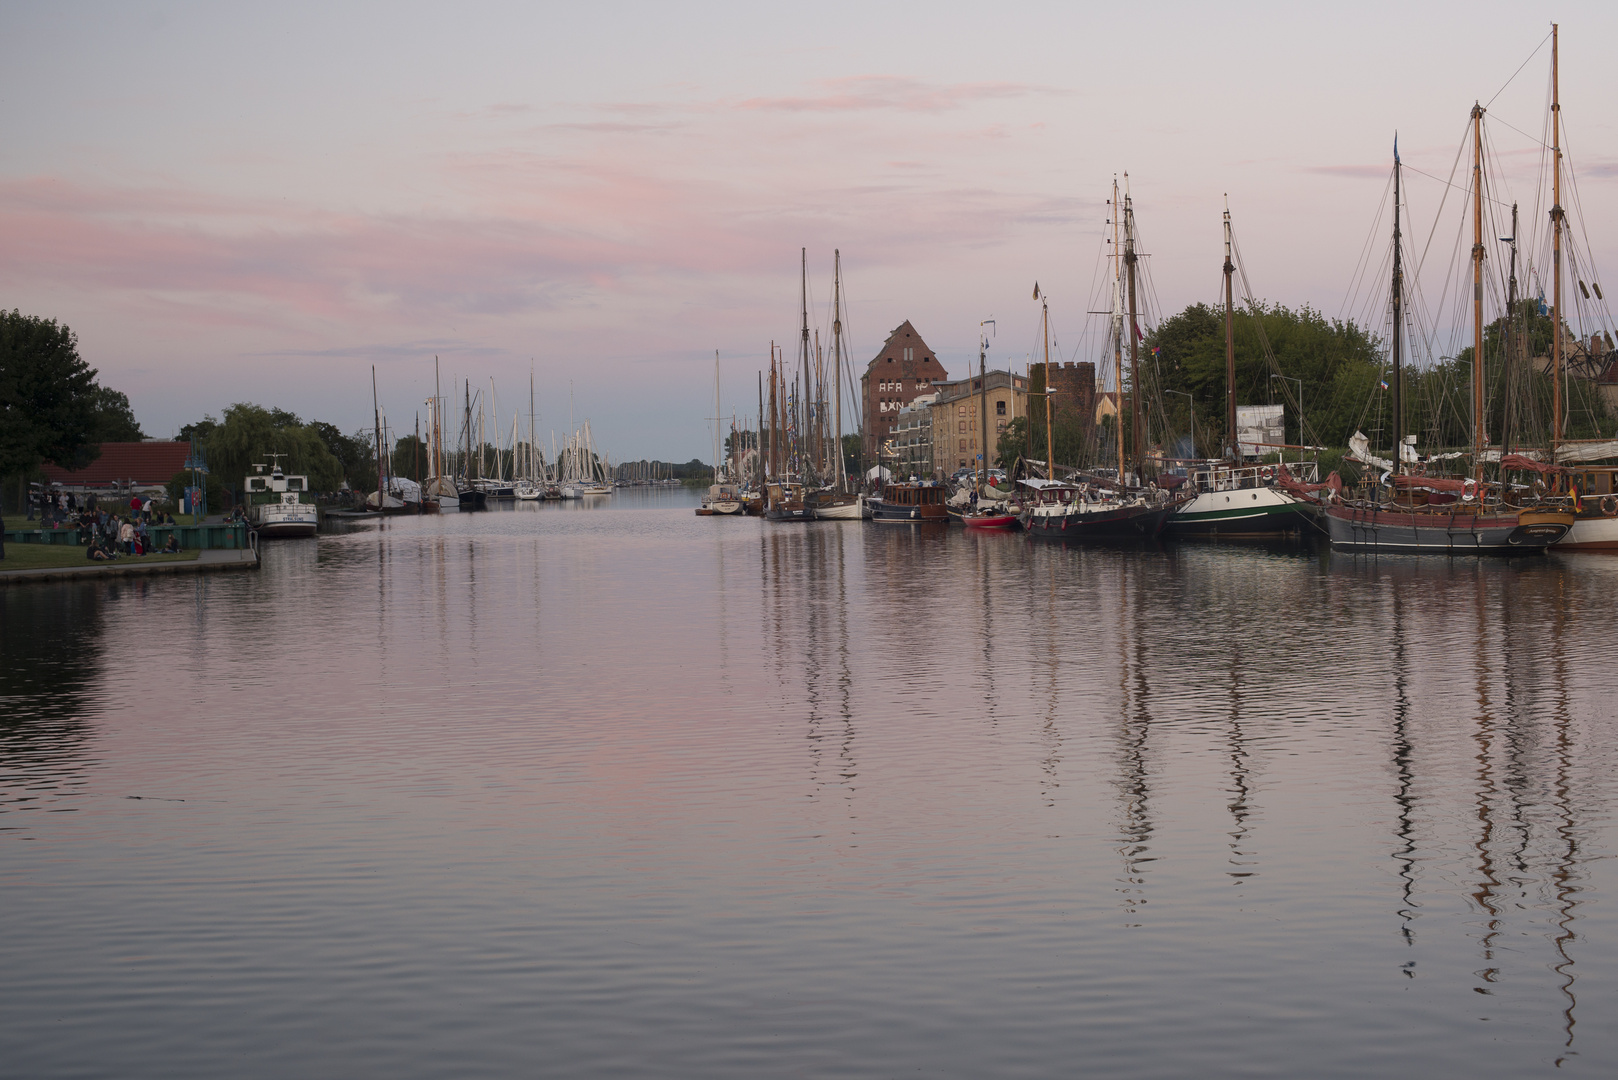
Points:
(54, 556)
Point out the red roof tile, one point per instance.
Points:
(145, 463)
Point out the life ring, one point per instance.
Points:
(1267, 473)
(1609, 505)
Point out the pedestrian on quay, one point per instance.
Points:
(142, 540)
(126, 537)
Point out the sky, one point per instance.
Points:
(233, 202)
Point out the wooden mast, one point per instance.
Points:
(1050, 442)
(1477, 299)
(1134, 334)
(758, 456)
(775, 423)
(1398, 393)
(804, 441)
(837, 360)
(1556, 247)
(1117, 335)
(1230, 348)
(983, 401)
(1511, 340)
(376, 413)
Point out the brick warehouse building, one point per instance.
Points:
(1073, 387)
(903, 370)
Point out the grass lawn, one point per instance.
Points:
(52, 556)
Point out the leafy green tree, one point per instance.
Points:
(355, 454)
(47, 396)
(114, 420)
(1518, 396)
(247, 433)
(410, 456)
(1012, 443)
(1338, 362)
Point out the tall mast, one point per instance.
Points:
(1398, 323)
(837, 361)
(805, 360)
(716, 417)
(1511, 339)
(758, 457)
(1230, 348)
(438, 428)
(1556, 246)
(819, 457)
(775, 422)
(1117, 334)
(983, 400)
(376, 412)
(528, 468)
(1134, 331)
(1050, 442)
(1478, 438)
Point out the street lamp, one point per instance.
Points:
(1193, 402)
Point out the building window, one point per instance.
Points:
(910, 354)
(960, 410)
(962, 426)
(1000, 426)
(963, 447)
(1000, 408)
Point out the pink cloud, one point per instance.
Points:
(898, 92)
(1351, 172)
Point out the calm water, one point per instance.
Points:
(606, 792)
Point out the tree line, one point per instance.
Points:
(1337, 371)
(52, 408)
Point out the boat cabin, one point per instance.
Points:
(277, 487)
(913, 495)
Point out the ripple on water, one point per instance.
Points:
(621, 790)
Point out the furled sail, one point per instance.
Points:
(1361, 448)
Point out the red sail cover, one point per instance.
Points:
(1287, 482)
(1523, 464)
(1433, 483)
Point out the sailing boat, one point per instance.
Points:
(438, 488)
(1097, 508)
(785, 501)
(472, 496)
(1594, 488)
(837, 503)
(723, 499)
(1230, 498)
(1441, 515)
(986, 515)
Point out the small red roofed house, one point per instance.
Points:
(124, 466)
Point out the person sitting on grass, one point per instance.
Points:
(96, 551)
(173, 546)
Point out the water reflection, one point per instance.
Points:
(659, 793)
(52, 639)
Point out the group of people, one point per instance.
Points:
(107, 536)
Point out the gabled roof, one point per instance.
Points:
(903, 335)
(145, 463)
